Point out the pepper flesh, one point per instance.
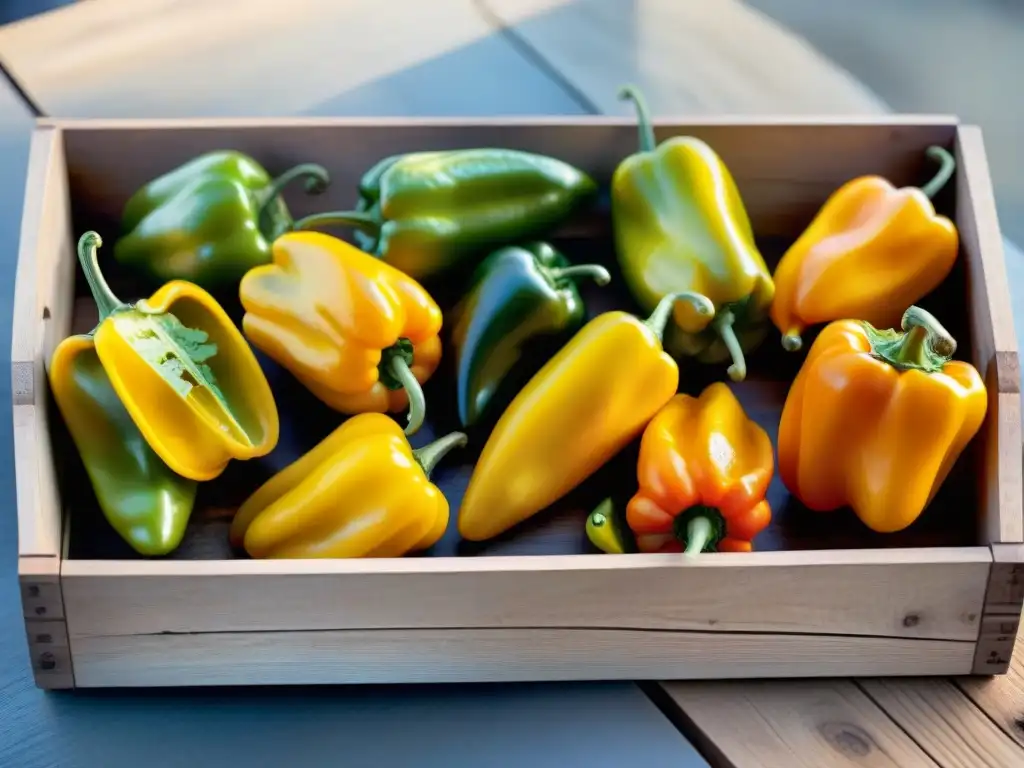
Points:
(523, 299)
(574, 415)
(703, 473)
(680, 225)
(146, 503)
(210, 220)
(870, 252)
(427, 212)
(875, 419)
(185, 375)
(356, 332)
(361, 492)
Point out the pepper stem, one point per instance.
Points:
(791, 341)
(643, 116)
(699, 532)
(946, 167)
(600, 275)
(364, 222)
(429, 455)
(924, 343)
(417, 403)
(88, 256)
(316, 177)
(659, 317)
(724, 326)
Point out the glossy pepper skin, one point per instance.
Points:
(587, 402)
(142, 499)
(522, 299)
(361, 492)
(870, 252)
(359, 334)
(184, 373)
(427, 212)
(703, 473)
(680, 225)
(608, 531)
(208, 221)
(876, 419)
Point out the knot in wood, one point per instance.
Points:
(848, 739)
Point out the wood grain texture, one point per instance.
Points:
(494, 655)
(1001, 618)
(932, 594)
(806, 724)
(939, 717)
(1001, 698)
(726, 58)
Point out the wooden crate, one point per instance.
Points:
(821, 597)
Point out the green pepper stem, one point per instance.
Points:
(600, 275)
(925, 344)
(364, 222)
(643, 116)
(699, 532)
(417, 403)
(316, 177)
(88, 256)
(946, 167)
(659, 317)
(724, 326)
(429, 455)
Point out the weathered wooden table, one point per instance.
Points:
(235, 57)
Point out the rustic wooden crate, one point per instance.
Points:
(821, 597)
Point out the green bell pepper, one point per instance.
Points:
(522, 305)
(608, 530)
(210, 220)
(426, 212)
(142, 499)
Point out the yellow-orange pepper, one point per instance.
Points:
(871, 251)
(703, 472)
(361, 492)
(359, 334)
(579, 410)
(876, 419)
(183, 372)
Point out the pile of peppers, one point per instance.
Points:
(447, 269)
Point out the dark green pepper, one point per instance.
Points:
(210, 220)
(521, 306)
(608, 530)
(426, 212)
(141, 498)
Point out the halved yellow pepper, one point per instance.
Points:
(361, 492)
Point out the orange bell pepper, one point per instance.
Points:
(871, 251)
(876, 419)
(703, 472)
(359, 334)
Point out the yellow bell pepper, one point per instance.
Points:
(587, 402)
(184, 373)
(876, 419)
(871, 251)
(361, 492)
(356, 332)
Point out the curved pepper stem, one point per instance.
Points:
(659, 317)
(88, 256)
(364, 222)
(429, 455)
(599, 274)
(643, 116)
(698, 533)
(946, 167)
(316, 177)
(699, 528)
(924, 344)
(417, 403)
(723, 323)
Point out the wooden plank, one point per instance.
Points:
(494, 655)
(993, 339)
(45, 626)
(1001, 698)
(939, 717)
(1004, 601)
(689, 56)
(42, 314)
(784, 171)
(807, 724)
(193, 57)
(913, 593)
